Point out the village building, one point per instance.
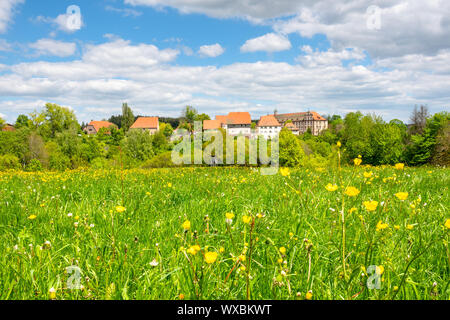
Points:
(304, 121)
(8, 127)
(150, 124)
(235, 123)
(94, 127)
(293, 128)
(268, 127)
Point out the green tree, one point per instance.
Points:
(189, 114)
(291, 151)
(127, 117)
(22, 121)
(56, 120)
(137, 145)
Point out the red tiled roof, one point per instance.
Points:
(291, 126)
(315, 115)
(239, 118)
(211, 124)
(146, 123)
(268, 121)
(8, 127)
(101, 124)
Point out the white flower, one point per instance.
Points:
(70, 215)
(91, 225)
(154, 263)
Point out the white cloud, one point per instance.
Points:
(142, 75)
(406, 26)
(69, 22)
(54, 47)
(6, 11)
(5, 45)
(211, 51)
(126, 12)
(270, 42)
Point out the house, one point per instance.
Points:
(293, 128)
(150, 124)
(304, 121)
(8, 127)
(212, 124)
(94, 127)
(235, 123)
(268, 127)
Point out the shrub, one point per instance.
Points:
(9, 162)
(34, 165)
(163, 160)
(59, 162)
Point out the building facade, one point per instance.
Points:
(94, 126)
(304, 121)
(150, 124)
(268, 127)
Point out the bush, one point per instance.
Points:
(59, 162)
(9, 162)
(34, 165)
(99, 163)
(163, 160)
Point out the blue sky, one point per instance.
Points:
(224, 56)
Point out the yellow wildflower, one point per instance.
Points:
(52, 293)
(380, 270)
(285, 172)
(120, 209)
(210, 257)
(283, 250)
(330, 187)
(447, 224)
(181, 296)
(242, 258)
(368, 174)
(409, 227)
(309, 295)
(339, 144)
(246, 219)
(371, 205)
(32, 217)
(357, 161)
(402, 195)
(381, 226)
(194, 249)
(229, 215)
(351, 191)
(187, 225)
(399, 166)
(352, 210)
(222, 250)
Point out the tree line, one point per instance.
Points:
(53, 139)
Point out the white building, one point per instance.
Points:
(268, 127)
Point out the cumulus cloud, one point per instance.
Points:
(406, 26)
(6, 11)
(54, 47)
(142, 74)
(270, 42)
(211, 51)
(69, 22)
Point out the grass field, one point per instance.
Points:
(226, 233)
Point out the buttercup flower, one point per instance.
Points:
(120, 209)
(285, 172)
(194, 249)
(447, 224)
(246, 219)
(402, 195)
(330, 187)
(309, 295)
(52, 293)
(368, 174)
(399, 166)
(351, 191)
(187, 225)
(210, 257)
(381, 226)
(32, 217)
(283, 250)
(370, 205)
(357, 161)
